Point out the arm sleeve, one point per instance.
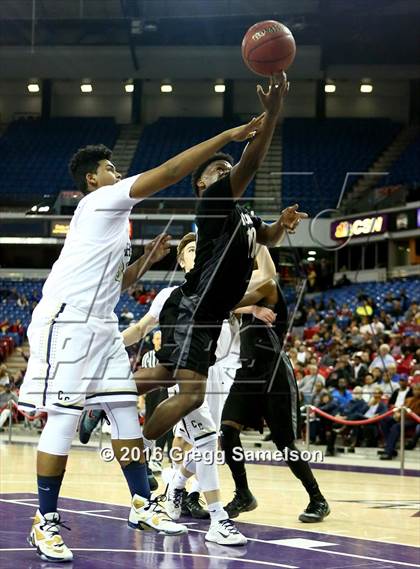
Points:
(159, 301)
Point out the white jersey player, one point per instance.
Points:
(77, 357)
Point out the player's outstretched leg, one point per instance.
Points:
(192, 389)
(53, 448)
(146, 513)
(243, 500)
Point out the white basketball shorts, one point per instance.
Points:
(76, 360)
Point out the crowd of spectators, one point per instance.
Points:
(356, 365)
(350, 363)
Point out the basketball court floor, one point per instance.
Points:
(374, 523)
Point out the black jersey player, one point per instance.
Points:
(227, 236)
(265, 389)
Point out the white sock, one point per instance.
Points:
(217, 512)
(195, 486)
(179, 481)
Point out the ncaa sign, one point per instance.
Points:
(345, 228)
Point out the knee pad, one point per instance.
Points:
(206, 465)
(124, 420)
(58, 433)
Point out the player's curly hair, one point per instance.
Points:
(196, 175)
(188, 238)
(86, 161)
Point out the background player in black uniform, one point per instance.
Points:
(227, 235)
(265, 388)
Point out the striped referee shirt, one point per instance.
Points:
(149, 359)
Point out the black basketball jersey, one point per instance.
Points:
(226, 245)
(261, 346)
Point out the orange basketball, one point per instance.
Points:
(268, 47)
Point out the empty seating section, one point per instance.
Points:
(406, 169)
(36, 152)
(169, 136)
(330, 149)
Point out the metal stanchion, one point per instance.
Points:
(307, 434)
(100, 434)
(402, 440)
(10, 405)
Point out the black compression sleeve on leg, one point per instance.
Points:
(301, 470)
(230, 440)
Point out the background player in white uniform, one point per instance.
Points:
(77, 354)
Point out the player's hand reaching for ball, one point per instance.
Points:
(158, 248)
(290, 218)
(272, 100)
(247, 131)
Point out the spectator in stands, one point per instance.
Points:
(363, 308)
(388, 387)
(353, 410)
(22, 301)
(399, 396)
(4, 375)
(359, 370)
(293, 356)
(356, 338)
(307, 385)
(368, 387)
(383, 359)
(341, 394)
(368, 434)
(126, 316)
(6, 395)
(372, 328)
(410, 314)
(392, 370)
(341, 371)
(392, 425)
(324, 427)
(318, 393)
(343, 281)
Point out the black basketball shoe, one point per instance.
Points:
(193, 506)
(315, 512)
(243, 501)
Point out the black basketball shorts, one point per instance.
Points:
(188, 341)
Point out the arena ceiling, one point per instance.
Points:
(348, 31)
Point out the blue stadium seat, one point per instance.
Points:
(330, 149)
(37, 152)
(169, 136)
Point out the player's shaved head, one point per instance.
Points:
(86, 161)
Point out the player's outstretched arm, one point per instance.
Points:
(272, 235)
(138, 331)
(154, 251)
(183, 164)
(255, 152)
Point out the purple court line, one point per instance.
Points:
(341, 553)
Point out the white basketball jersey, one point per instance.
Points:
(88, 273)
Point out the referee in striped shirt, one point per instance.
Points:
(152, 399)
